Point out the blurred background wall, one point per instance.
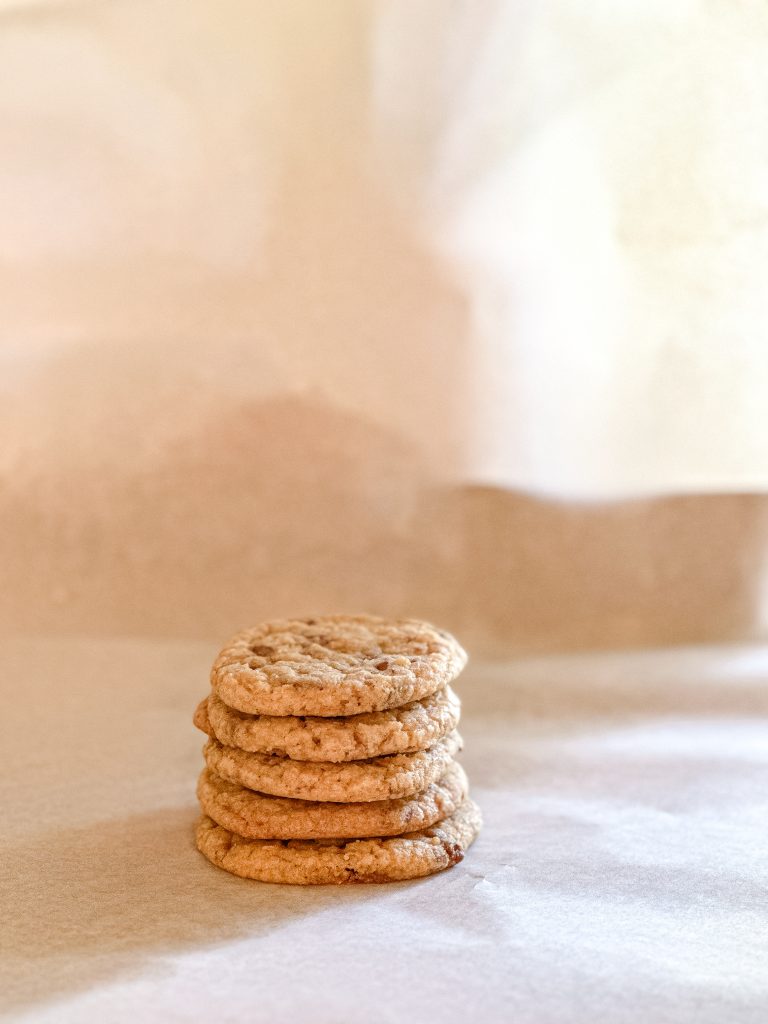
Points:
(449, 309)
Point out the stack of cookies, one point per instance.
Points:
(331, 753)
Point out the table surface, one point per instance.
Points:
(621, 875)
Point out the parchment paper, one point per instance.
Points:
(621, 875)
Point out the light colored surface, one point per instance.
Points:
(283, 283)
(621, 875)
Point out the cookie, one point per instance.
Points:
(304, 862)
(334, 665)
(256, 816)
(378, 778)
(415, 726)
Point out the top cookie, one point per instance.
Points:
(334, 665)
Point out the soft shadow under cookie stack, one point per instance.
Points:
(331, 753)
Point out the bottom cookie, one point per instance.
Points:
(339, 861)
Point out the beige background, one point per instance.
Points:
(411, 307)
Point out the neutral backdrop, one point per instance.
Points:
(444, 309)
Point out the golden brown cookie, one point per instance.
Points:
(307, 862)
(256, 816)
(377, 778)
(415, 726)
(334, 665)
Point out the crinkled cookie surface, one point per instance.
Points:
(334, 665)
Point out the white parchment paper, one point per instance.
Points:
(621, 875)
